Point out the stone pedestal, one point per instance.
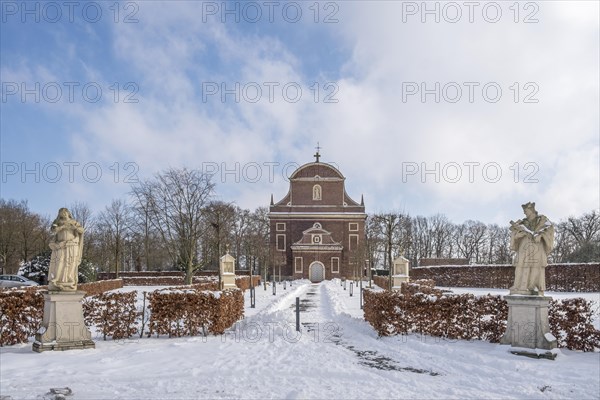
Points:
(397, 281)
(527, 325)
(227, 266)
(63, 327)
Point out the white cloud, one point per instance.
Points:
(371, 131)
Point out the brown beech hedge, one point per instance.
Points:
(189, 312)
(243, 282)
(573, 277)
(21, 313)
(113, 314)
(469, 317)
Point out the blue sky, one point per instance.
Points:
(470, 115)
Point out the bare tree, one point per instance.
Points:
(151, 254)
(241, 226)
(23, 234)
(220, 219)
(30, 228)
(422, 238)
(498, 245)
(388, 224)
(441, 232)
(114, 224)
(584, 233)
(175, 200)
(586, 228)
(469, 240)
(394, 230)
(256, 240)
(372, 243)
(357, 257)
(84, 215)
(8, 248)
(564, 244)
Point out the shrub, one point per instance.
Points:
(113, 314)
(420, 309)
(21, 313)
(187, 312)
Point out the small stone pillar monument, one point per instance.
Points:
(63, 327)
(227, 270)
(400, 273)
(532, 239)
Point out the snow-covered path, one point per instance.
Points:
(336, 355)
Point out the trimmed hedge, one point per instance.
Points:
(90, 289)
(21, 313)
(113, 314)
(559, 277)
(99, 287)
(243, 282)
(182, 311)
(165, 280)
(189, 312)
(469, 317)
(570, 322)
(382, 281)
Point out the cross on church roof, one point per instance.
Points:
(317, 155)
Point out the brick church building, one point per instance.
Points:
(317, 230)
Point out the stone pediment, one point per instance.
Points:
(317, 187)
(316, 238)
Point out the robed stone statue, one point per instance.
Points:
(532, 239)
(63, 326)
(67, 245)
(527, 326)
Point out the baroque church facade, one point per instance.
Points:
(317, 230)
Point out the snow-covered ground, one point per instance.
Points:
(336, 355)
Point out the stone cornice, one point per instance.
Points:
(319, 215)
(313, 247)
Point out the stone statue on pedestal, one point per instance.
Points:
(67, 245)
(527, 327)
(532, 238)
(63, 326)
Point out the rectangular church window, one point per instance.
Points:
(298, 265)
(352, 242)
(280, 227)
(335, 265)
(353, 226)
(281, 242)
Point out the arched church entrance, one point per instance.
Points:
(316, 272)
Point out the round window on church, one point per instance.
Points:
(316, 239)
